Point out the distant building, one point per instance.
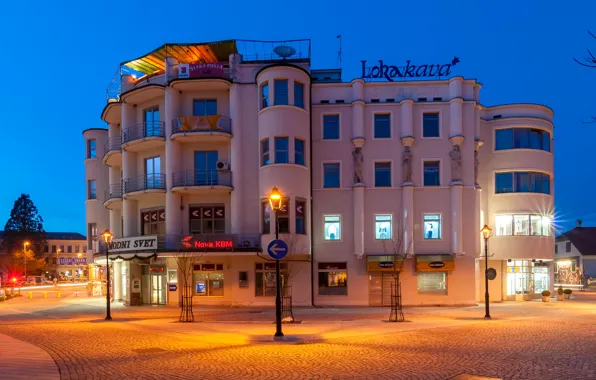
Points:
(65, 253)
(198, 134)
(575, 257)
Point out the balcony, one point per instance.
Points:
(144, 136)
(112, 151)
(201, 128)
(215, 242)
(197, 181)
(136, 187)
(113, 197)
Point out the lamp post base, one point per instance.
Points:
(487, 317)
(108, 318)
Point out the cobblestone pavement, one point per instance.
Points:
(530, 340)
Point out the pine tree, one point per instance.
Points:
(24, 225)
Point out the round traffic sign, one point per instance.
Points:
(277, 249)
(491, 273)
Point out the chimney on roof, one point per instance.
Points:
(579, 222)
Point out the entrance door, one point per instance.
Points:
(206, 173)
(379, 289)
(158, 289)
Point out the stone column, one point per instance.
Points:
(407, 121)
(357, 108)
(173, 164)
(455, 107)
(117, 265)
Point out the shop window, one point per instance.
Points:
(266, 217)
(209, 219)
(265, 158)
(91, 148)
(264, 95)
(382, 174)
(265, 280)
(300, 217)
(568, 246)
(172, 276)
(333, 279)
(432, 226)
(209, 284)
(382, 126)
(298, 151)
(435, 282)
(298, 94)
(430, 125)
(432, 173)
(523, 225)
(332, 227)
(282, 154)
(281, 92)
(331, 127)
(383, 227)
(331, 175)
(153, 222)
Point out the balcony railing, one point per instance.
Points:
(202, 178)
(113, 191)
(201, 124)
(142, 130)
(114, 144)
(145, 182)
(215, 242)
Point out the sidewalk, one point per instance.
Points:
(21, 360)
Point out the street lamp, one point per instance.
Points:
(107, 238)
(486, 234)
(275, 200)
(25, 244)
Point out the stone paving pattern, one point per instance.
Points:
(529, 340)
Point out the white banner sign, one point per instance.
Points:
(139, 243)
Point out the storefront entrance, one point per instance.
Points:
(158, 289)
(526, 280)
(379, 288)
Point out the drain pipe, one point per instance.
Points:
(312, 251)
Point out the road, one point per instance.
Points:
(529, 340)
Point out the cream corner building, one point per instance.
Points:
(197, 138)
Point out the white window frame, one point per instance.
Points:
(440, 171)
(391, 121)
(390, 226)
(340, 226)
(338, 114)
(440, 226)
(431, 110)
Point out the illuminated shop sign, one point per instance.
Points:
(195, 242)
(390, 72)
(133, 244)
(72, 261)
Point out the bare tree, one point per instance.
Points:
(186, 262)
(398, 248)
(589, 61)
(292, 261)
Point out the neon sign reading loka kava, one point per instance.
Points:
(390, 72)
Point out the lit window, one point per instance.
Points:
(331, 127)
(432, 226)
(383, 227)
(298, 94)
(331, 175)
(432, 173)
(91, 148)
(298, 151)
(266, 217)
(264, 95)
(332, 227)
(382, 174)
(265, 160)
(333, 279)
(382, 126)
(282, 155)
(523, 225)
(281, 92)
(430, 125)
(92, 189)
(432, 282)
(504, 225)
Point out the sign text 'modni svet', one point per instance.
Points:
(391, 72)
(141, 243)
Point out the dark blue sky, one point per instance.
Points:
(60, 57)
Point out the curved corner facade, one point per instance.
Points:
(377, 179)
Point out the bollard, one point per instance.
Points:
(58, 294)
(30, 295)
(45, 294)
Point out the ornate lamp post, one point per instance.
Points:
(107, 238)
(275, 201)
(486, 234)
(25, 244)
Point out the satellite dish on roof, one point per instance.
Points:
(284, 51)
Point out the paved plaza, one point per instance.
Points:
(529, 340)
